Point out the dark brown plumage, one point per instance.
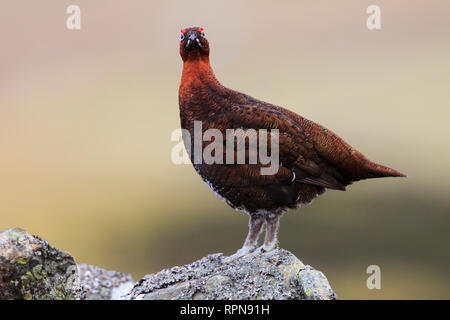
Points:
(312, 158)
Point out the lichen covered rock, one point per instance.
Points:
(30, 268)
(277, 274)
(314, 285)
(101, 284)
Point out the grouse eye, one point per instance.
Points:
(182, 37)
(203, 34)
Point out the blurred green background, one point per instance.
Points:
(86, 118)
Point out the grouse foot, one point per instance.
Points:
(245, 250)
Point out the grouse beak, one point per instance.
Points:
(193, 41)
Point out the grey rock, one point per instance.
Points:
(101, 284)
(314, 285)
(30, 268)
(277, 274)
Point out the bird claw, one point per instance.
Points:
(244, 251)
(239, 254)
(263, 249)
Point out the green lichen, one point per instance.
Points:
(69, 296)
(27, 284)
(27, 279)
(23, 260)
(39, 273)
(60, 292)
(27, 296)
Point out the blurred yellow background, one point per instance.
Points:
(86, 118)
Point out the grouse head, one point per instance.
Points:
(193, 44)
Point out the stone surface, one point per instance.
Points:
(314, 285)
(30, 268)
(277, 274)
(101, 284)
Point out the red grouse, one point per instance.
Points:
(311, 157)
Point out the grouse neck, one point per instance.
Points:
(200, 93)
(196, 72)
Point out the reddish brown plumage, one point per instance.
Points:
(315, 156)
